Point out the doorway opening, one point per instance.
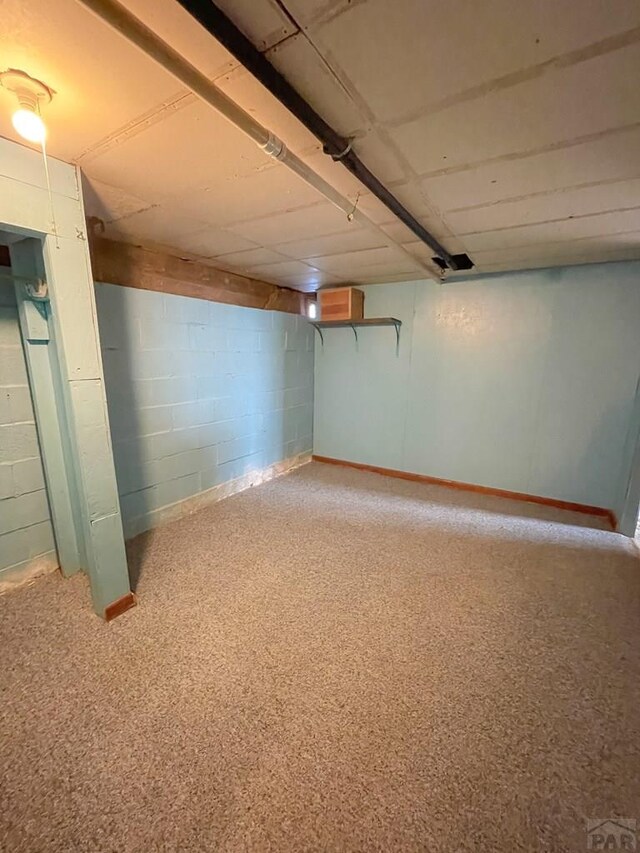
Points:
(27, 540)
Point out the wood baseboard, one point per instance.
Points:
(119, 606)
(585, 509)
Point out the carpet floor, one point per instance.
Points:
(333, 661)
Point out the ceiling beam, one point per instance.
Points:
(146, 269)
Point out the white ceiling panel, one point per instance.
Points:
(408, 240)
(285, 268)
(541, 112)
(562, 258)
(154, 223)
(380, 158)
(379, 273)
(397, 230)
(306, 12)
(610, 158)
(205, 244)
(366, 261)
(407, 56)
(580, 228)
(349, 240)
(322, 218)
(607, 243)
(274, 189)
(540, 208)
(385, 278)
(193, 148)
(370, 205)
(425, 253)
(212, 242)
(413, 196)
(264, 23)
(334, 173)
(252, 258)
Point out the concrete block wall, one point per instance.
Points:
(26, 534)
(199, 394)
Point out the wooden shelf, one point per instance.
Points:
(319, 325)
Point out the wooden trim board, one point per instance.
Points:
(113, 262)
(585, 509)
(120, 606)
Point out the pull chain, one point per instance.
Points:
(51, 209)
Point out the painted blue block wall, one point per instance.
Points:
(522, 381)
(26, 534)
(199, 394)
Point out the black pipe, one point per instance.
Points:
(336, 146)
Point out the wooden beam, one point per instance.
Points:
(134, 266)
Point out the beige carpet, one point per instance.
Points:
(333, 661)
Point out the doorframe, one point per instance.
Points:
(628, 516)
(65, 368)
(44, 383)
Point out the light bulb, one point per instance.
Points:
(29, 125)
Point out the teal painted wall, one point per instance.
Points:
(26, 534)
(522, 381)
(66, 351)
(199, 394)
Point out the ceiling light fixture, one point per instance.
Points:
(30, 93)
(28, 121)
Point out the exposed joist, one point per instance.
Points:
(134, 266)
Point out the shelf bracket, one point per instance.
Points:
(396, 326)
(354, 325)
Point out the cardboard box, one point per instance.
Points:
(341, 303)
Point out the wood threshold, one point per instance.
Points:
(585, 509)
(119, 606)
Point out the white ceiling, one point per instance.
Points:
(514, 137)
